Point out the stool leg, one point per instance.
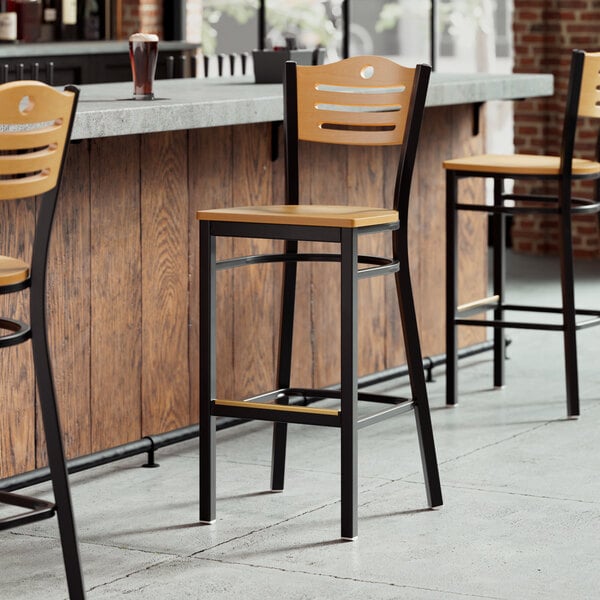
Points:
(451, 288)
(58, 470)
(416, 372)
(349, 384)
(47, 397)
(284, 366)
(62, 496)
(499, 279)
(569, 315)
(207, 374)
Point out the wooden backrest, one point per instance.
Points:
(35, 123)
(362, 100)
(589, 98)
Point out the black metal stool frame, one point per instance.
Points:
(281, 412)
(564, 205)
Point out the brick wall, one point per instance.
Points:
(142, 15)
(545, 32)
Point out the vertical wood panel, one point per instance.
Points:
(68, 305)
(256, 288)
(324, 173)
(365, 187)
(116, 291)
(472, 227)
(394, 341)
(427, 227)
(17, 392)
(164, 219)
(210, 185)
(302, 347)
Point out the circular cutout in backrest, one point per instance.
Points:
(26, 105)
(367, 72)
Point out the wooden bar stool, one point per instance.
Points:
(36, 128)
(560, 172)
(367, 101)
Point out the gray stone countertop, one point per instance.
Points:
(43, 50)
(107, 109)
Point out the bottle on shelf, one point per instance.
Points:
(29, 19)
(91, 19)
(8, 23)
(48, 30)
(67, 15)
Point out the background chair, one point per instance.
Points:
(36, 127)
(561, 172)
(359, 101)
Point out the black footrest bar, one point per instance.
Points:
(384, 414)
(336, 394)
(37, 510)
(20, 332)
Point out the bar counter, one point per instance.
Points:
(123, 282)
(107, 109)
(43, 50)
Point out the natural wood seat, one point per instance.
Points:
(320, 216)
(12, 271)
(520, 164)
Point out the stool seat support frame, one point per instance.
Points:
(346, 419)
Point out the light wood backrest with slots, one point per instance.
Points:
(589, 98)
(34, 123)
(363, 100)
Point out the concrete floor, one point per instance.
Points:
(521, 486)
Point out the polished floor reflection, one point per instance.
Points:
(521, 518)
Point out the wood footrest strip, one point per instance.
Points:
(284, 407)
(284, 413)
(488, 303)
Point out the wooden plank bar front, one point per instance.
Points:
(123, 297)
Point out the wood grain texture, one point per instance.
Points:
(13, 270)
(69, 304)
(210, 184)
(323, 176)
(164, 227)
(365, 186)
(427, 222)
(395, 353)
(116, 291)
(472, 226)
(17, 393)
(389, 86)
(256, 289)
(124, 281)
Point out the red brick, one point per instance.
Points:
(545, 32)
